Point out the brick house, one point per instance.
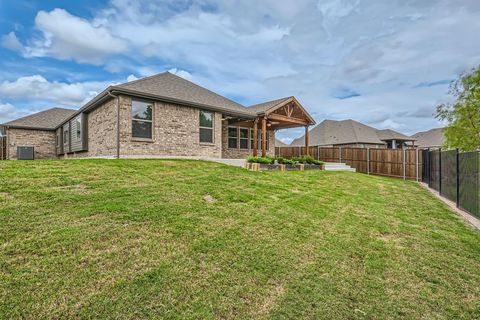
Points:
(159, 116)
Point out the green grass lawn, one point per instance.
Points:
(191, 239)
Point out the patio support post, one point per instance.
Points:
(255, 137)
(264, 137)
(307, 138)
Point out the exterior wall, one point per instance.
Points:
(175, 132)
(43, 142)
(59, 141)
(78, 142)
(238, 153)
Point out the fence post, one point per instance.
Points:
(318, 152)
(368, 160)
(340, 154)
(458, 178)
(440, 171)
(404, 167)
(416, 164)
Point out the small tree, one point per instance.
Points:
(463, 115)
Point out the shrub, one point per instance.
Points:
(307, 159)
(288, 161)
(264, 160)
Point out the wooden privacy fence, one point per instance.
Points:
(400, 163)
(3, 148)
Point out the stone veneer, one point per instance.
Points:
(43, 142)
(238, 153)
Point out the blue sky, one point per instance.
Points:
(384, 63)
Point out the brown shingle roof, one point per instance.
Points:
(168, 85)
(433, 138)
(48, 119)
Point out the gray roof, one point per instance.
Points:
(171, 86)
(279, 143)
(388, 134)
(262, 107)
(331, 132)
(164, 87)
(48, 119)
(433, 138)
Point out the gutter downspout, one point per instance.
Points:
(117, 104)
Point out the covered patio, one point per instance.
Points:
(274, 115)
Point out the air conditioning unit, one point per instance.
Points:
(25, 153)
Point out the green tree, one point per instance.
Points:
(463, 115)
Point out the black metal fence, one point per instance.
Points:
(456, 176)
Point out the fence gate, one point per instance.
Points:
(3, 148)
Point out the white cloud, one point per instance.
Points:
(181, 73)
(68, 37)
(131, 78)
(36, 87)
(10, 41)
(8, 112)
(308, 48)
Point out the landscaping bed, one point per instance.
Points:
(281, 164)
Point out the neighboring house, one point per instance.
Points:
(433, 138)
(353, 134)
(279, 143)
(158, 116)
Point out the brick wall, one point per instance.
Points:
(101, 131)
(42, 141)
(243, 153)
(175, 132)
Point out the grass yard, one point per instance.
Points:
(190, 239)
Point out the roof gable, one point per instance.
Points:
(47, 120)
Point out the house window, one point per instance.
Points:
(206, 127)
(65, 136)
(79, 127)
(232, 137)
(243, 138)
(252, 140)
(142, 119)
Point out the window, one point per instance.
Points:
(142, 115)
(78, 122)
(65, 136)
(232, 137)
(252, 140)
(243, 138)
(206, 127)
